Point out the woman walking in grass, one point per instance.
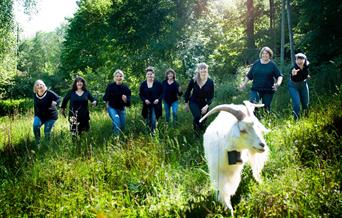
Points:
(78, 108)
(150, 93)
(263, 73)
(199, 95)
(298, 86)
(45, 111)
(171, 91)
(117, 98)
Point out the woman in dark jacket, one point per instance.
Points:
(298, 86)
(199, 95)
(78, 108)
(45, 111)
(171, 91)
(117, 98)
(151, 92)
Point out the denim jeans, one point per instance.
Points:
(299, 92)
(118, 119)
(37, 123)
(151, 119)
(167, 108)
(266, 98)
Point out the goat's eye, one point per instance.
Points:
(243, 131)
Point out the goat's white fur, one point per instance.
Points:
(227, 133)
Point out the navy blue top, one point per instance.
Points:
(263, 76)
(170, 91)
(113, 96)
(201, 96)
(301, 74)
(78, 104)
(151, 94)
(43, 108)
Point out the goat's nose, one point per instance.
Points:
(262, 144)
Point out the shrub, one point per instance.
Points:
(12, 107)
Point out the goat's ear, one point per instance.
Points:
(251, 106)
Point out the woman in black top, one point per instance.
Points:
(202, 88)
(171, 91)
(45, 112)
(298, 86)
(263, 73)
(117, 97)
(78, 108)
(151, 92)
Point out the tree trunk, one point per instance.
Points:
(250, 29)
(272, 27)
(282, 37)
(289, 25)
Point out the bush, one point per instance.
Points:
(12, 107)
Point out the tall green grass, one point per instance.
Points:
(139, 175)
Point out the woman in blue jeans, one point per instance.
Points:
(298, 86)
(151, 92)
(263, 73)
(171, 91)
(45, 111)
(117, 97)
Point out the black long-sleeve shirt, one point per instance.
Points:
(78, 104)
(113, 96)
(302, 74)
(151, 94)
(201, 96)
(170, 91)
(43, 106)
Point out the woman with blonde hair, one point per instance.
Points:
(45, 111)
(263, 73)
(117, 98)
(199, 95)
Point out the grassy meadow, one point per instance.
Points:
(137, 175)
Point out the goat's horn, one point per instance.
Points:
(225, 107)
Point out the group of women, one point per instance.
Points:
(198, 96)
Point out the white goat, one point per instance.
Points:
(234, 129)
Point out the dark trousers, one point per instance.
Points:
(265, 97)
(195, 109)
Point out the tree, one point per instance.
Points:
(250, 27)
(8, 40)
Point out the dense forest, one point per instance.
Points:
(165, 175)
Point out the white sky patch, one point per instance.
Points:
(50, 15)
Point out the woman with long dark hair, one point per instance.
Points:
(78, 107)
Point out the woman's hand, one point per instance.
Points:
(147, 102)
(63, 112)
(275, 86)
(53, 104)
(242, 86)
(186, 107)
(156, 101)
(294, 72)
(204, 109)
(124, 98)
